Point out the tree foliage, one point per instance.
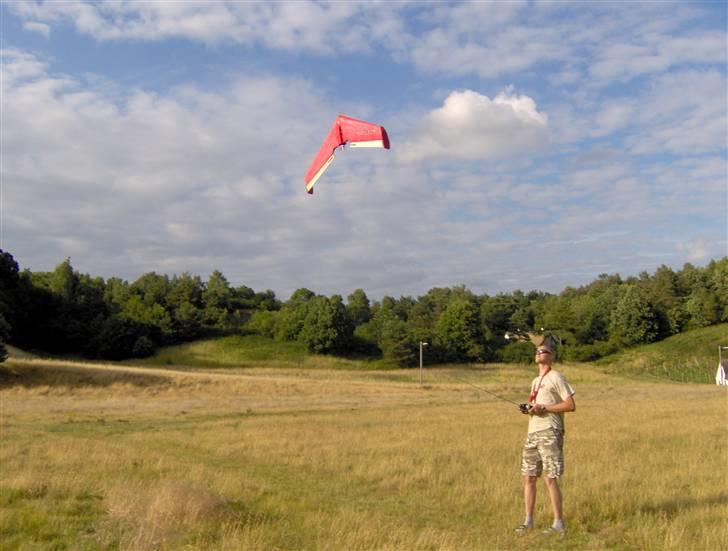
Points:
(64, 311)
(458, 332)
(326, 327)
(396, 342)
(633, 321)
(358, 307)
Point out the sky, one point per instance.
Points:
(534, 145)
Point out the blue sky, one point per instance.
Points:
(535, 145)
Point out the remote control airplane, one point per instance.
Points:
(345, 131)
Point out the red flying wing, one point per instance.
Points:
(346, 130)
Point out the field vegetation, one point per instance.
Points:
(202, 450)
(244, 351)
(688, 357)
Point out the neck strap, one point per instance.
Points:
(534, 392)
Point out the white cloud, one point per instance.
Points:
(506, 51)
(695, 251)
(471, 126)
(615, 115)
(683, 113)
(18, 65)
(592, 45)
(654, 53)
(40, 28)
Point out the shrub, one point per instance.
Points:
(516, 352)
(143, 347)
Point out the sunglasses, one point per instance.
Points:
(543, 351)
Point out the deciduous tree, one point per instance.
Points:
(458, 332)
(633, 321)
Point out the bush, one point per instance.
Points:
(4, 334)
(516, 352)
(117, 339)
(590, 352)
(143, 347)
(263, 323)
(363, 343)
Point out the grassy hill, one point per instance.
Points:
(250, 351)
(18, 354)
(239, 351)
(688, 357)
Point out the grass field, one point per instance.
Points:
(101, 456)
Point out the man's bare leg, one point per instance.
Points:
(529, 494)
(556, 501)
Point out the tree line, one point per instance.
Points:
(66, 312)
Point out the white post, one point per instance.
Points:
(720, 378)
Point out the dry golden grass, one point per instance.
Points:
(101, 456)
(158, 510)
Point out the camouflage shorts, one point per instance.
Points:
(543, 451)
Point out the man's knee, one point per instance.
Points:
(530, 480)
(551, 481)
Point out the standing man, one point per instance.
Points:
(551, 397)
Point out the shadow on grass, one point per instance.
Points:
(28, 375)
(671, 507)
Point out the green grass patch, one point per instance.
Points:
(254, 351)
(688, 357)
(231, 351)
(38, 517)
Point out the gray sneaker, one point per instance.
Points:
(555, 530)
(523, 528)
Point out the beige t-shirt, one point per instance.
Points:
(554, 390)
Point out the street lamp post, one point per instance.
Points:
(422, 345)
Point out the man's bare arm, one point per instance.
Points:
(562, 407)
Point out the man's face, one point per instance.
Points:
(544, 355)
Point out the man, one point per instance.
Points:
(551, 397)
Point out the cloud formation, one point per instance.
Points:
(484, 38)
(304, 25)
(471, 126)
(149, 173)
